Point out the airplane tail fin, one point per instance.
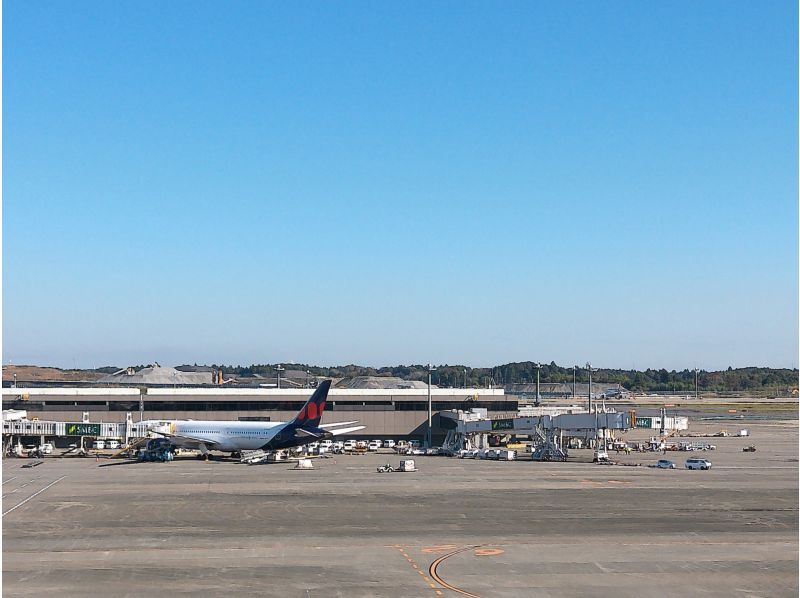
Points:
(311, 413)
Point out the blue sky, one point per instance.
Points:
(455, 182)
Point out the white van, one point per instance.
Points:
(99, 445)
(698, 464)
(388, 443)
(349, 445)
(113, 444)
(374, 445)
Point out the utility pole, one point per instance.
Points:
(430, 410)
(278, 370)
(538, 367)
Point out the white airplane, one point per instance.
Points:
(237, 436)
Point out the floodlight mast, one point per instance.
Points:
(574, 379)
(696, 371)
(430, 410)
(538, 367)
(589, 368)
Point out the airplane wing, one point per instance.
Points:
(324, 426)
(340, 431)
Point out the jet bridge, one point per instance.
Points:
(547, 432)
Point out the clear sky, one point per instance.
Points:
(384, 183)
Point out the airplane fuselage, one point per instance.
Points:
(231, 436)
(228, 436)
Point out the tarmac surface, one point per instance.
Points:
(79, 527)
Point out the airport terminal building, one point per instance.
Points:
(386, 412)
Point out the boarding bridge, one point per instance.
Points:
(547, 432)
(123, 431)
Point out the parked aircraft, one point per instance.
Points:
(237, 436)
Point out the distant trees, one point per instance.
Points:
(107, 369)
(779, 381)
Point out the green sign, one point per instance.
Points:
(502, 424)
(83, 430)
(644, 422)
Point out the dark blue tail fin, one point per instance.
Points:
(311, 413)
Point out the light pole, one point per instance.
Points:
(278, 371)
(574, 379)
(538, 367)
(430, 410)
(15, 380)
(465, 377)
(695, 383)
(589, 367)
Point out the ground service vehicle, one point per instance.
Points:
(601, 456)
(665, 464)
(698, 464)
(156, 449)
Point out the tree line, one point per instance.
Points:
(777, 380)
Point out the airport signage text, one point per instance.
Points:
(502, 424)
(83, 429)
